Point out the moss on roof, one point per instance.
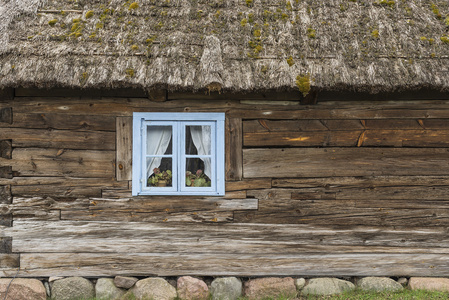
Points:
(366, 45)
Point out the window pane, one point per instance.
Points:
(159, 140)
(161, 175)
(198, 172)
(198, 140)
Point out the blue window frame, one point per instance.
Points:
(178, 154)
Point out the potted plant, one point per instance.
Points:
(199, 179)
(160, 178)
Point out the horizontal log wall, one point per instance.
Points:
(338, 188)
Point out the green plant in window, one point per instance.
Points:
(160, 178)
(199, 179)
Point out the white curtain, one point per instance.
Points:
(201, 136)
(158, 139)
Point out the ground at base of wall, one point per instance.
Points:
(232, 288)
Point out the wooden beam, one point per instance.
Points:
(234, 144)
(158, 95)
(5, 244)
(9, 261)
(61, 162)
(64, 121)
(67, 139)
(6, 149)
(328, 162)
(124, 145)
(6, 115)
(6, 172)
(229, 264)
(144, 237)
(5, 194)
(6, 94)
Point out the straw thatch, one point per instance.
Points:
(233, 45)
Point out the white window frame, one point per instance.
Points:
(179, 121)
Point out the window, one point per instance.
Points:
(178, 154)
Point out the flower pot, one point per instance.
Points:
(161, 183)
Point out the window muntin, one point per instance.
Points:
(180, 154)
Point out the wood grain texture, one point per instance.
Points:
(5, 171)
(340, 110)
(148, 264)
(9, 260)
(5, 244)
(233, 150)
(315, 162)
(31, 120)
(247, 184)
(6, 115)
(41, 138)
(153, 217)
(302, 139)
(361, 182)
(65, 181)
(124, 150)
(5, 149)
(5, 194)
(54, 162)
(173, 238)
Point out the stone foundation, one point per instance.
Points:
(190, 288)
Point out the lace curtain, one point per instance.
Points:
(158, 139)
(201, 136)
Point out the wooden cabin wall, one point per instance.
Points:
(341, 188)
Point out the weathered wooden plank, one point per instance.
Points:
(5, 194)
(406, 138)
(5, 172)
(6, 94)
(5, 216)
(5, 244)
(102, 264)
(323, 111)
(124, 148)
(87, 140)
(6, 115)
(186, 204)
(303, 139)
(394, 124)
(40, 215)
(315, 162)
(50, 203)
(60, 121)
(107, 236)
(234, 141)
(272, 96)
(61, 92)
(434, 123)
(9, 260)
(69, 190)
(325, 212)
(410, 193)
(361, 182)
(65, 181)
(247, 184)
(53, 162)
(262, 125)
(5, 149)
(155, 217)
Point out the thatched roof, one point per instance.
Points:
(235, 45)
